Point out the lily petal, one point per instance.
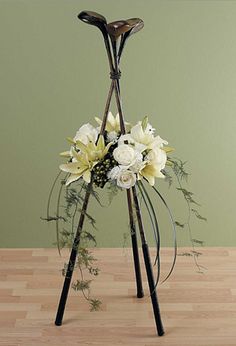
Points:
(101, 143)
(98, 120)
(105, 151)
(137, 133)
(150, 179)
(168, 149)
(72, 177)
(65, 154)
(87, 176)
(71, 167)
(70, 140)
(81, 146)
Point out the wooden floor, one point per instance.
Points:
(197, 309)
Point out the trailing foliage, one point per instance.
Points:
(68, 210)
(112, 191)
(177, 167)
(69, 206)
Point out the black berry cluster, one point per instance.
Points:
(101, 169)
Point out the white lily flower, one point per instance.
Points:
(84, 160)
(79, 167)
(68, 154)
(158, 156)
(158, 142)
(128, 139)
(141, 136)
(86, 133)
(149, 129)
(113, 123)
(155, 162)
(146, 137)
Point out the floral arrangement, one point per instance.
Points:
(117, 162)
(114, 157)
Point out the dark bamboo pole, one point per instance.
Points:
(134, 240)
(71, 264)
(114, 73)
(74, 251)
(146, 255)
(104, 121)
(147, 260)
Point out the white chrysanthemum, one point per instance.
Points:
(139, 163)
(113, 173)
(112, 136)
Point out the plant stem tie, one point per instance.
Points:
(115, 75)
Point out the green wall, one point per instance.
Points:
(180, 70)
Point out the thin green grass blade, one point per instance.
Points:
(173, 230)
(50, 194)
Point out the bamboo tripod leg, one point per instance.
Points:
(140, 293)
(145, 248)
(138, 277)
(71, 264)
(137, 268)
(147, 260)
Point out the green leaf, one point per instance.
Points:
(178, 224)
(200, 217)
(112, 191)
(168, 177)
(89, 236)
(94, 271)
(81, 285)
(85, 258)
(199, 242)
(187, 195)
(144, 123)
(187, 254)
(196, 253)
(178, 168)
(70, 140)
(95, 304)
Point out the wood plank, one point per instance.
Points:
(197, 309)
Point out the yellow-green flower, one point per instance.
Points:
(155, 162)
(151, 171)
(84, 160)
(113, 123)
(79, 167)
